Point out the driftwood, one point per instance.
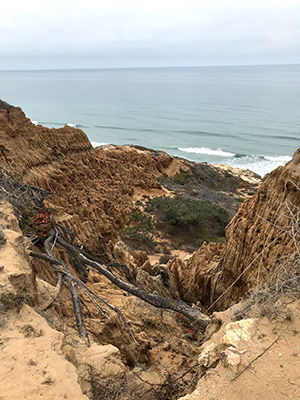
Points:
(80, 261)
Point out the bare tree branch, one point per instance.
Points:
(180, 306)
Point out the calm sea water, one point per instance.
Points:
(242, 116)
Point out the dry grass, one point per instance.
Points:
(282, 288)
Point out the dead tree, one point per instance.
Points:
(79, 258)
(155, 300)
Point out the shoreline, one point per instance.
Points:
(261, 165)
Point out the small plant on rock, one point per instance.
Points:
(36, 222)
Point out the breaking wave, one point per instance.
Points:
(206, 150)
(278, 158)
(96, 144)
(259, 164)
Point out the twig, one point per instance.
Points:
(49, 244)
(148, 383)
(78, 312)
(257, 357)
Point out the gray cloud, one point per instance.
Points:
(65, 33)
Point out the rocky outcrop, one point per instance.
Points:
(30, 350)
(92, 188)
(260, 237)
(17, 283)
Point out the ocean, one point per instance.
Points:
(243, 116)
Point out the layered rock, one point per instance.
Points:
(92, 188)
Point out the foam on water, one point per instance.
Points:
(283, 159)
(206, 150)
(258, 164)
(96, 144)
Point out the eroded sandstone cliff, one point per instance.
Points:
(259, 239)
(93, 192)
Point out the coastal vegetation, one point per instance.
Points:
(205, 219)
(140, 228)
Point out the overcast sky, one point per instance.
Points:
(133, 33)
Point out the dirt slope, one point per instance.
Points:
(274, 375)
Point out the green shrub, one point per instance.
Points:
(141, 226)
(182, 178)
(185, 211)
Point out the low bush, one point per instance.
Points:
(185, 211)
(141, 227)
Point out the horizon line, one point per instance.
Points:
(146, 67)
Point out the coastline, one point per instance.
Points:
(204, 115)
(259, 164)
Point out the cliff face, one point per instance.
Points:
(262, 236)
(42, 350)
(94, 191)
(92, 188)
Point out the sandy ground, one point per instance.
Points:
(274, 375)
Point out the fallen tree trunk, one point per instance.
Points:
(193, 313)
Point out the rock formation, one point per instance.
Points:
(156, 354)
(261, 236)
